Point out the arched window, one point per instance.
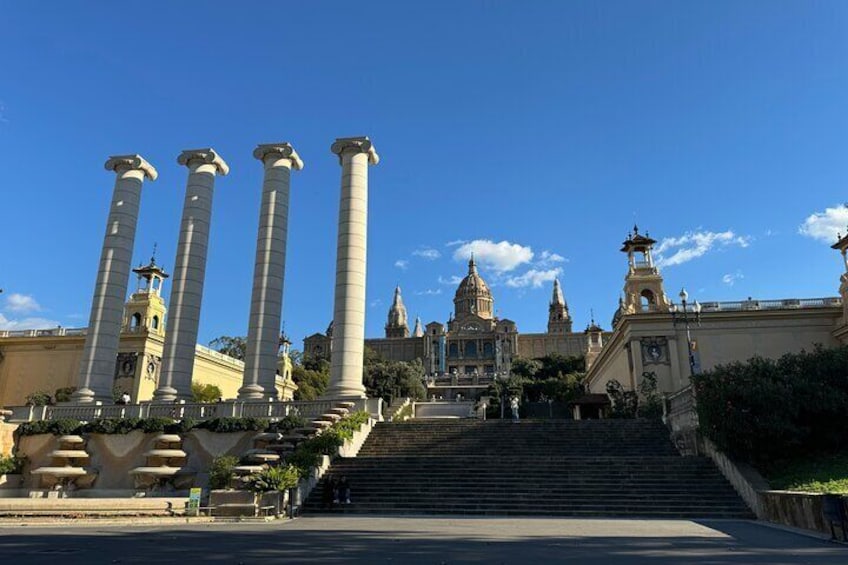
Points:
(155, 322)
(453, 350)
(471, 349)
(487, 349)
(648, 300)
(136, 320)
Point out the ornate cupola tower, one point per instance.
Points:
(397, 325)
(145, 310)
(559, 320)
(643, 284)
(473, 296)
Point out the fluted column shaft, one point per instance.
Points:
(355, 154)
(189, 274)
(266, 303)
(97, 369)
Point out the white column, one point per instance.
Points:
(189, 273)
(355, 154)
(97, 369)
(266, 303)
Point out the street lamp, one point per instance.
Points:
(682, 315)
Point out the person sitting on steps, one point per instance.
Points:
(344, 490)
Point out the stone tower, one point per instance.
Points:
(397, 325)
(473, 296)
(145, 310)
(559, 320)
(643, 284)
(419, 329)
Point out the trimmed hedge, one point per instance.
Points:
(764, 410)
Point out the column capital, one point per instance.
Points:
(283, 149)
(205, 156)
(356, 145)
(131, 163)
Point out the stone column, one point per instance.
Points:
(97, 369)
(189, 272)
(266, 303)
(355, 154)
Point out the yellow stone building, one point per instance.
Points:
(48, 359)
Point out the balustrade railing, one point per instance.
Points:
(179, 411)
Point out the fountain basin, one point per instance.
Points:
(166, 453)
(162, 471)
(61, 472)
(69, 454)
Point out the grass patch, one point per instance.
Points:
(822, 473)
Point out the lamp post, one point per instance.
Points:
(683, 316)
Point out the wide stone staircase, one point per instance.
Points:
(541, 468)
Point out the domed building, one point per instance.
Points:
(463, 356)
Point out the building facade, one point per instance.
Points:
(464, 355)
(673, 340)
(48, 360)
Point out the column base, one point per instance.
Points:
(251, 392)
(344, 393)
(83, 396)
(165, 394)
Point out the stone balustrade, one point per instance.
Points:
(181, 410)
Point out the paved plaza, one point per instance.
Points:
(414, 540)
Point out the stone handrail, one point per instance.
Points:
(181, 410)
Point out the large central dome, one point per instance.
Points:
(473, 295)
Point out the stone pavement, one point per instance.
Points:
(414, 540)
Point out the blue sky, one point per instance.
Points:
(535, 133)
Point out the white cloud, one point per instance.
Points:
(533, 278)
(402, 264)
(456, 242)
(547, 258)
(429, 292)
(692, 245)
(22, 303)
(427, 253)
(376, 303)
(27, 323)
(500, 257)
(453, 280)
(730, 278)
(824, 226)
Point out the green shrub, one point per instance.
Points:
(55, 427)
(39, 398)
(64, 394)
(764, 410)
(183, 426)
(287, 424)
(229, 425)
(112, 426)
(10, 465)
(303, 459)
(221, 471)
(274, 479)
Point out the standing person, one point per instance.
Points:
(344, 490)
(513, 404)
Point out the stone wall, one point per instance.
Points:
(797, 509)
(7, 439)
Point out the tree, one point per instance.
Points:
(234, 346)
(201, 392)
(393, 379)
(311, 384)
